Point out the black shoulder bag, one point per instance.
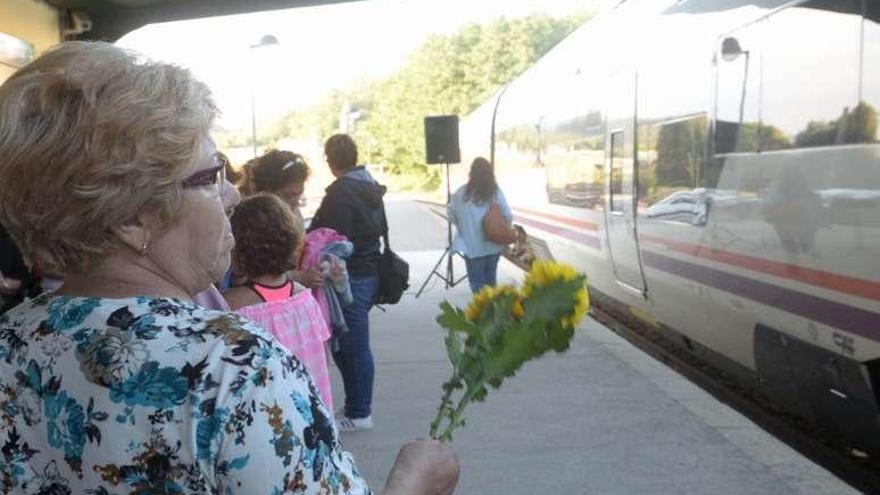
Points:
(393, 271)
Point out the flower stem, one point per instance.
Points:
(455, 418)
(445, 402)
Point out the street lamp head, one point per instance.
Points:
(266, 40)
(731, 49)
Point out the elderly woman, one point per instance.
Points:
(118, 382)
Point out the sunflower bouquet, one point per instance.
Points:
(502, 328)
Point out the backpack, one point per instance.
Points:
(393, 271)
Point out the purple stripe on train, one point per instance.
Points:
(574, 235)
(580, 237)
(835, 314)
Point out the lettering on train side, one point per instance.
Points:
(845, 343)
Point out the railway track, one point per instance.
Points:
(859, 471)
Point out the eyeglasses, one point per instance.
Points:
(209, 177)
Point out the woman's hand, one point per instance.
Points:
(423, 467)
(310, 277)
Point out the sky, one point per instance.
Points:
(319, 49)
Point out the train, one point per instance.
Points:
(713, 166)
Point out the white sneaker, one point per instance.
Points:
(355, 424)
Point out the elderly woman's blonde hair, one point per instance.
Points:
(93, 138)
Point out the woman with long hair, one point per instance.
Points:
(467, 208)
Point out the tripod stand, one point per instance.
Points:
(448, 277)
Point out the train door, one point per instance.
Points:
(621, 164)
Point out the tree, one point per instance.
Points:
(861, 124)
(454, 75)
(858, 125)
(681, 148)
(447, 75)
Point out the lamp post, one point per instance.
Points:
(730, 51)
(266, 40)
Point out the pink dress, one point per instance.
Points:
(296, 321)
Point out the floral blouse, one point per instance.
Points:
(143, 395)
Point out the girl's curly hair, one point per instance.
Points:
(267, 236)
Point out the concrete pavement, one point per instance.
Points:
(601, 419)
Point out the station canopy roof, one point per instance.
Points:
(112, 19)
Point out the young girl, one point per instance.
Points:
(267, 244)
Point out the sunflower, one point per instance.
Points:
(518, 311)
(544, 273)
(581, 306)
(485, 296)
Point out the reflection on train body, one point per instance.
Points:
(716, 165)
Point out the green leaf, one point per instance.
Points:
(452, 318)
(471, 370)
(480, 394)
(499, 318)
(560, 337)
(454, 349)
(518, 347)
(552, 302)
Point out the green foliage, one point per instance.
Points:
(856, 126)
(228, 139)
(447, 75)
(753, 137)
(319, 120)
(681, 148)
(773, 138)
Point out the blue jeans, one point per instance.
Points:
(482, 271)
(354, 357)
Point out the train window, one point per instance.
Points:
(676, 159)
(573, 155)
(870, 94)
(616, 172)
(810, 82)
(737, 91)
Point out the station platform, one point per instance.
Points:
(601, 419)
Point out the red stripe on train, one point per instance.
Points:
(833, 281)
(845, 284)
(566, 220)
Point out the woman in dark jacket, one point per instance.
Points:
(353, 207)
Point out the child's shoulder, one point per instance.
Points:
(241, 296)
